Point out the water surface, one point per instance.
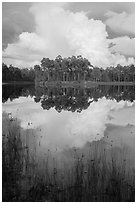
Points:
(70, 133)
(70, 117)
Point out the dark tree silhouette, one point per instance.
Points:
(80, 69)
(12, 73)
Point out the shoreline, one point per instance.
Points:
(69, 83)
(83, 83)
(18, 82)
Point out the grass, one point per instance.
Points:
(88, 177)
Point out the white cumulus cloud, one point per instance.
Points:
(60, 31)
(121, 22)
(123, 45)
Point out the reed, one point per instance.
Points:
(89, 177)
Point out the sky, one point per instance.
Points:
(103, 32)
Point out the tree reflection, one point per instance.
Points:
(79, 98)
(15, 91)
(68, 98)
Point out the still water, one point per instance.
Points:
(70, 117)
(71, 129)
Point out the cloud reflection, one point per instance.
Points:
(66, 129)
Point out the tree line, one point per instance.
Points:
(80, 69)
(68, 69)
(12, 73)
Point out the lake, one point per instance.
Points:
(68, 128)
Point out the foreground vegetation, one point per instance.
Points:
(96, 176)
